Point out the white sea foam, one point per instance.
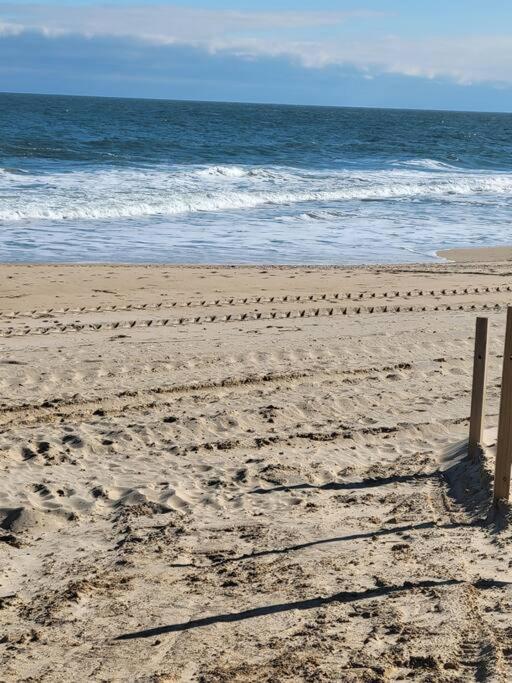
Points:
(227, 171)
(165, 192)
(429, 165)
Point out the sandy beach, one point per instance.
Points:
(250, 474)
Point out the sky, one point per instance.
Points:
(429, 54)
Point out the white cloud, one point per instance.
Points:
(293, 34)
(475, 59)
(167, 23)
(8, 29)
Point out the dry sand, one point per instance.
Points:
(255, 493)
(481, 255)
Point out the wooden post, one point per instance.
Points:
(504, 448)
(478, 391)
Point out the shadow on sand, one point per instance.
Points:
(467, 485)
(313, 603)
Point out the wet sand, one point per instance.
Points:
(476, 255)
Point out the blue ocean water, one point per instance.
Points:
(95, 179)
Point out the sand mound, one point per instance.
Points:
(21, 520)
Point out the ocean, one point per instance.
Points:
(86, 179)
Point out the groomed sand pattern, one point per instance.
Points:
(272, 499)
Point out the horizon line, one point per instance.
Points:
(262, 104)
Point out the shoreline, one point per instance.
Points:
(492, 254)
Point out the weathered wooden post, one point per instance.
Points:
(478, 391)
(504, 447)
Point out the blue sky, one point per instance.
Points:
(455, 54)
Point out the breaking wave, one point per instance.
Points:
(166, 191)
